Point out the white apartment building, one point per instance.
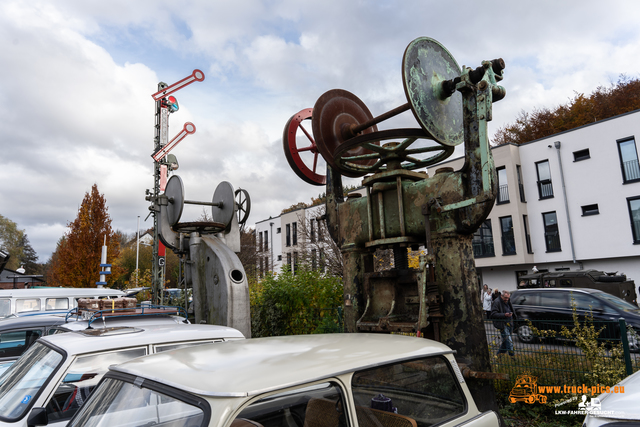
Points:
(290, 237)
(567, 202)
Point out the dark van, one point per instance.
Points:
(550, 309)
(611, 283)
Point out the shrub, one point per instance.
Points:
(292, 304)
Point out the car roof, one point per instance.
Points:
(585, 290)
(75, 324)
(31, 321)
(59, 292)
(81, 342)
(248, 367)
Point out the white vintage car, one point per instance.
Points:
(365, 380)
(53, 378)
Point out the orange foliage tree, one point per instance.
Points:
(76, 261)
(604, 102)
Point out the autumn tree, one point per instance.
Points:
(77, 256)
(604, 102)
(16, 243)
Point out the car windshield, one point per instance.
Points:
(119, 403)
(21, 382)
(619, 303)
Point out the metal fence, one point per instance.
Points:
(541, 349)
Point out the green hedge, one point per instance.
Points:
(292, 304)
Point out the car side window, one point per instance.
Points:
(14, 343)
(57, 304)
(5, 307)
(528, 298)
(318, 405)
(415, 393)
(81, 378)
(554, 299)
(27, 304)
(586, 302)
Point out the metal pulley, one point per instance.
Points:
(345, 132)
(224, 204)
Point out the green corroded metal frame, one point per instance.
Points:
(406, 208)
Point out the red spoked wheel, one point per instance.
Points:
(302, 158)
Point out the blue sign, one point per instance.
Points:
(26, 399)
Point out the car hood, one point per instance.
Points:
(623, 406)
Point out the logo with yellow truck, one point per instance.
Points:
(526, 390)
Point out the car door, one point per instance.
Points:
(79, 379)
(555, 310)
(589, 305)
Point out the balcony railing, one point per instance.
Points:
(631, 170)
(545, 188)
(503, 194)
(508, 244)
(553, 242)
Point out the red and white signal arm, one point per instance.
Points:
(188, 129)
(196, 76)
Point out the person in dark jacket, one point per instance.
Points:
(503, 316)
(495, 294)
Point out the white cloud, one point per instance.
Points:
(75, 104)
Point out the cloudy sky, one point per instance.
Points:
(76, 79)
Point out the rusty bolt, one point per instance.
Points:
(483, 85)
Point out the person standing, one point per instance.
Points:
(486, 301)
(503, 316)
(496, 294)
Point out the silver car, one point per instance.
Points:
(334, 380)
(55, 375)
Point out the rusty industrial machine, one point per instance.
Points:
(403, 207)
(212, 268)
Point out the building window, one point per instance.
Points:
(259, 241)
(634, 214)
(294, 233)
(261, 267)
(312, 232)
(545, 189)
(295, 263)
(508, 240)
(629, 160)
(527, 235)
(483, 241)
(266, 241)
(320, 232)
(551, 234)
(520, 185)
(313, 260)
(581, 155)
(289, 260)
(278, 230)
(503, 188)
(279, 257)
(590, 210)
(288, 236)
(321, 260)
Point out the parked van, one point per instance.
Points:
(611, 283)
(15, 301)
